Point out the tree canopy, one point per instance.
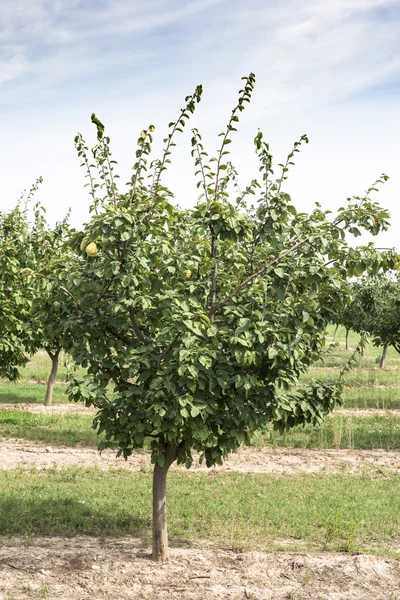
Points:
(195, 324)
(17, 262)
(375, 310)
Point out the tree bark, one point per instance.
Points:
(383, 357)
(347, 339)
(160, 532)
(335, 332)
(53, 374)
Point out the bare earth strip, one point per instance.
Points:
(89, 568)
(261, 460)
(80, 408)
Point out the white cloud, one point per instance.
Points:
(132, 62)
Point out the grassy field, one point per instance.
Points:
(68, 429)
(234, 510)
(34, 393)
(338, 432)
(326, 512)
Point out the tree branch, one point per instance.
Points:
(70, 294)
(259, 272)
(214, 271)
(165, 352)
(107, 328)
(138, 332)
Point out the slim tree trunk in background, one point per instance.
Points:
(347, 339)
(160, 533)
(383, 357)
(362, 351)
(335, 332)
(53, 374)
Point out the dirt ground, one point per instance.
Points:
(88, 568)
(15, 453)
(67, 408)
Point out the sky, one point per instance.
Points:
(327, 69)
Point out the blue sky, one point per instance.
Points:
(328, 69)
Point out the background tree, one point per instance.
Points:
(50, 305)
(375, 311)
(353, 316)
(17, 260)
(195, 324)
(33, 263)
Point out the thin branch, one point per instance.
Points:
(107, 328)
(214, 271)
(70, 294)
(165, 352)
(138, 169)
(259, 272)
(200, 162)
(111, 179)
(138, 332)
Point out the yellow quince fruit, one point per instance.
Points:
(187, 272)
(91, 249)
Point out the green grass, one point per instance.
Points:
(16, 393)
(39, 366)
(340, 432)
(68, 429)
(239, 510)
(370, 397)
(356, 377)
(368, 362)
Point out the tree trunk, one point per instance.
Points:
(335, 332)
(383, 357)
(362, 351)
(53, 374)
(347, 339)
(160, 533)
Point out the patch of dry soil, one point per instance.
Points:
(89, 568)
(63, 409)
(258, 460)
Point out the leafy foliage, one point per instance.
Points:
(33, 261)
(17, 261)
(50, 305)
(195, 324)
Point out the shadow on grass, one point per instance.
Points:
(31, 393)
(67, 517)
(25, 399)
(68, 430)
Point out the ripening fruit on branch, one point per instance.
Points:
(187, 272)
(91, 249)
(396, 263)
